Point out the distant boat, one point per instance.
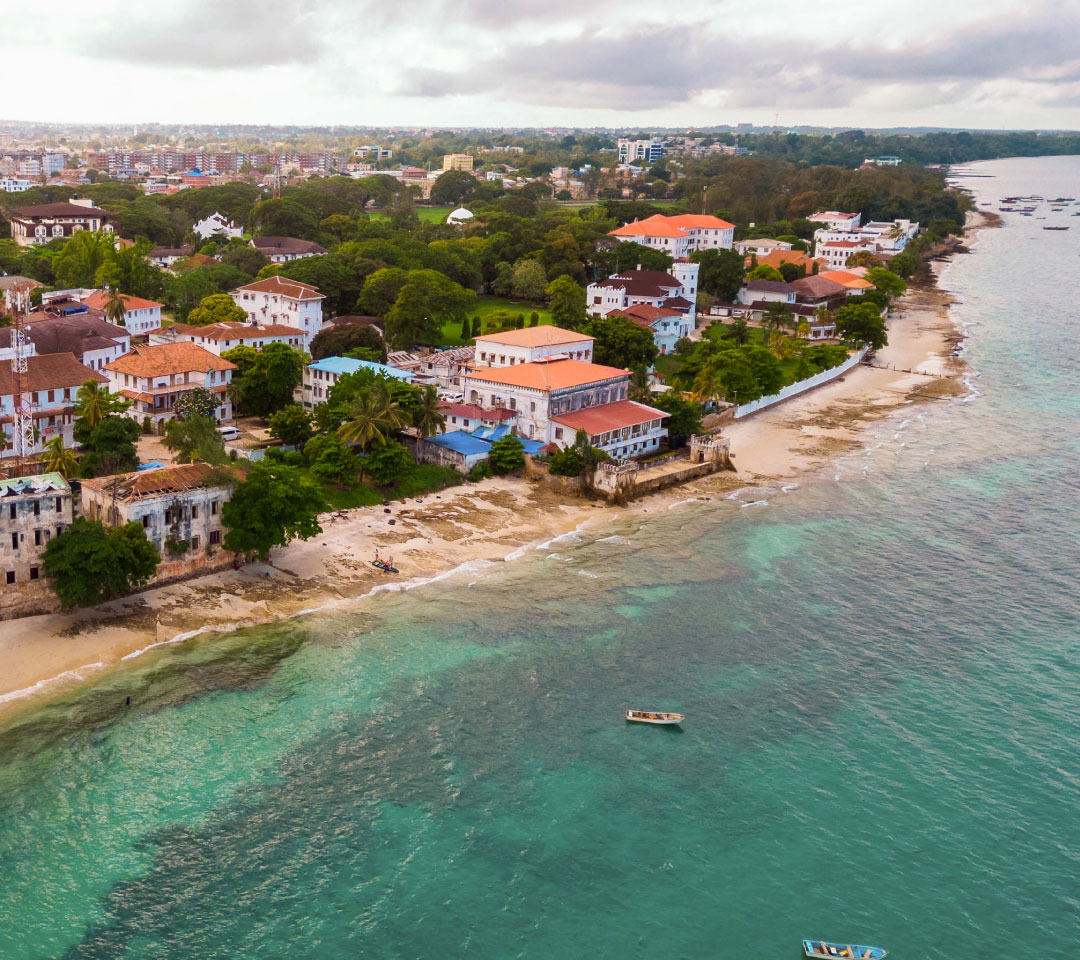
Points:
(654, 716)
(1055, 228)
(385, 567)
(846, 951)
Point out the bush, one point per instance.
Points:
(336, 463)
(176, 547)
(566, 463)
(147, 424)
(479, 471)
(506, 454)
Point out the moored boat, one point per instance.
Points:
(1055, 228)
(654, 716)
(385, 567)
(842, 951)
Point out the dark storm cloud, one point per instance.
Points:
(216, 35)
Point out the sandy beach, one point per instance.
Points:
(490, 521)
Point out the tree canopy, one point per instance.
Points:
(216, 308)
(272, 505)
(88, 564)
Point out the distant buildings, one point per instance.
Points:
(284, 249)
(216, 225)
(375, 153)
(679, 235)
(33, 510)
(165, 257)
(647, 150)
(39, 224)
(761, 246)
(457, 161)
(11, 185)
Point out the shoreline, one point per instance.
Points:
(498, 520)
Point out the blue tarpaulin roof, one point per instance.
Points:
(461, 441)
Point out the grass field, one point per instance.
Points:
(485, 306)
(427, 214)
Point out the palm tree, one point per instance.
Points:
(782, 345)
(739, 331)
(59, 459)
(373, 415)
(427, 418)
(92, 403)
(709, 383)
(639, 384)
(115, 308)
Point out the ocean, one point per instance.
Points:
(880, 667)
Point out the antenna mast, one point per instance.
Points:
(24, 413)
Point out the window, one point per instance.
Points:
(558, 433)
(37, 508)
(59, 529)
(194, 543)
(11, 511)
(14, 541)
(213, 511)
(33, 573)
(194, 512)
(11, 576)
(37, 538)
(215, 536)
(146, 522)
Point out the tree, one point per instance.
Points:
(506, 454)
(764, 272)
(685, 419)
(475, 327)
(428, 418)
(88, 564)
(453, 187)
(217, 308)
(245, 258)
(115, 309)
(528, 280)
(332, 461)
(565, 463)
(373, 416)
(387, 462)
(739, 332)
(198, 401)
(863, 258)
(78, 262)
(60, 459)
(271, 506)
(427, 300)
(268, 383)
(639, 384)
(534, 319)
(291, 424)
(620, 342)
(886, 281)
(338, 340)
(195, 437)
(778, 315)
(566, 301)
(861, 323)
(721, 272)
(109, 446)
(381, 290)
(465, 328)
(93, 403)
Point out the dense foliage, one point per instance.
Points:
(88, 564)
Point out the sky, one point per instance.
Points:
(614, 63)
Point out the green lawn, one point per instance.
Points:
(716, 331)
(427, 214)
(485, 306)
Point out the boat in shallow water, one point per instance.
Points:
(654, 716)
(842, 951)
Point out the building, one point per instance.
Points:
(376, 153)
(835, 220)
(284, 249)
(280, 301)
(321, 375)
(676, 290)
(444, 369)
(679, 235)
(11, 185)
(649, 150)
(666, 324)
(178, 506)
(882, 162)
(31, 226)
(140, 316)
(530, 344)
(470, 417)
(819, 291)
(547, 393)
(219, 337)
(761, 246)
(835, 253)
(855, 284)
(165, 257)
(457, 161)
(885, 238)
(777, 258)
(51, 381)
(770, 291)
(33, 510)
(459, 217)
(216, 225)
(153, 378)
(90, 337)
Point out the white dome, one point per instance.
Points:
(460, 215)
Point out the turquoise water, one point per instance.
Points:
(879, 667)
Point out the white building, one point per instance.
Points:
(649, 150)
(153, 378)
(284, 249)
(532, 343)
(320, 376)
(836, 252)
(140, 316)
(667, 325)
(629, 288)
(836, 220)
(766, 291)
(679, 235)
(219, 337)
(33, 510)
(762, 246)
(215, 225)
(279, 301)
(10, 185)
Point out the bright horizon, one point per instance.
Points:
(999, 64)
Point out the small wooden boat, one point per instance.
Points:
(384, 566)
(842, 951)
(1055, 228)
(654, 716)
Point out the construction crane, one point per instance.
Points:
(23, 440)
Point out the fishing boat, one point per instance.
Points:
(842, 951)
(1055, 228)
(654, 716)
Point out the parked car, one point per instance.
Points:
(229, 433)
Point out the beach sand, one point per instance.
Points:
(489, 521)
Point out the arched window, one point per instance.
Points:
(57, 230)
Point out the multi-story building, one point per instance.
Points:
(39, 224)
(284, 249)
(51, 381)
(532, 343)
(761, 246)
(153, 378)
(178, 506)
(836, 220)
(375, 153)
(33, 510)
(279, 301)
(165, 257)
(648, 150)
(671, 297)
(320, 377)
(666, 324)
(11, 185)
(140, 316)
(679, 235)
(457, 161)
(219, 337)
(88, 335)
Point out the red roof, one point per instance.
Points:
(294, 289)
(698, 221)
(548, 375)
(609, 416)
(99, 298)
(645, 314)
(473, 411)
(648, 228)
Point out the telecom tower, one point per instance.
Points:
(24, 414)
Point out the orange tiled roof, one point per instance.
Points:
(548, 375)
(234, 330)
(850, 280)
(168, 358)
(698, 221)
(536, 337)
(294, 289)
(648, 228)
(99, 298)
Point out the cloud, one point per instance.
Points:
(214, 35)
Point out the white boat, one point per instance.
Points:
(654, 716)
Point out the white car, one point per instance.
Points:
(229, 433)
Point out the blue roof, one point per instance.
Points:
(491, 434)
(152, 465)
(532, 446)
(340, 365)
(461, 441)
